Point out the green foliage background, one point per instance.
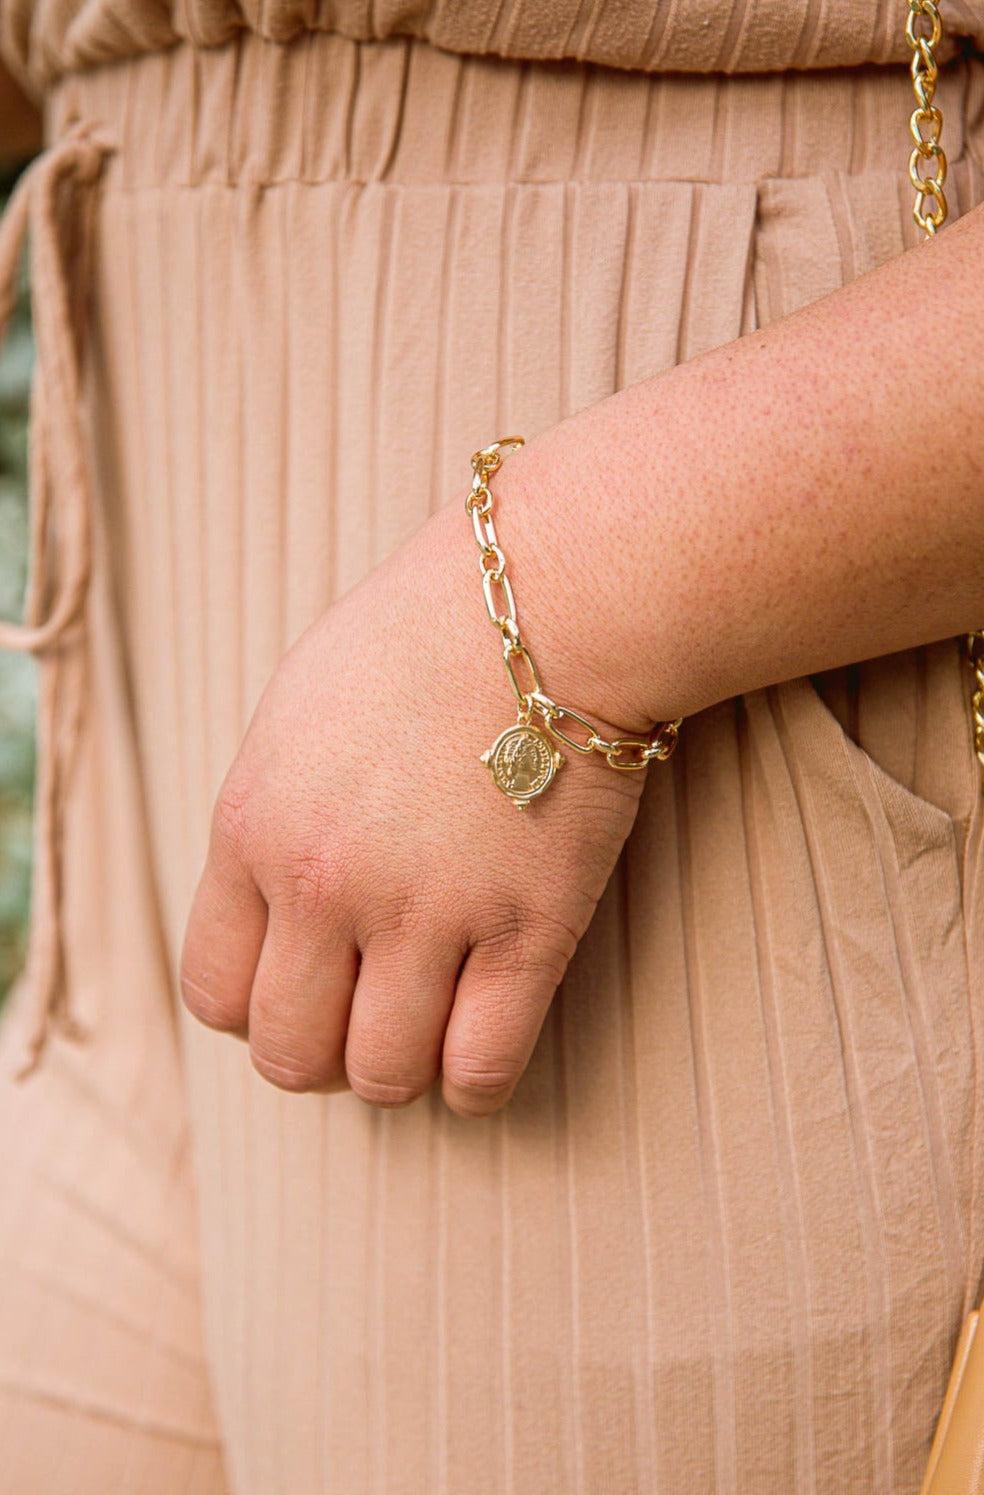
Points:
(17, 672)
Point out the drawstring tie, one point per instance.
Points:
(60, 545)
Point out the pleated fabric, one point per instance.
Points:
(45, 39)
(723, 1237)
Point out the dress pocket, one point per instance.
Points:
(905, 717)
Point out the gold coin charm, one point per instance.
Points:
(522, 762)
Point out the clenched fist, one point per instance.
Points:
(373, 911)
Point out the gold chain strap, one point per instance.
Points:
(926, 120)
(923, 29)
(523, 760)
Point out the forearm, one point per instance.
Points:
(808, 495)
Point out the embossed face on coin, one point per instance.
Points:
(522, 761)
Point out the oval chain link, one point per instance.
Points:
(625, 753)
(926, 120)
(923, 30)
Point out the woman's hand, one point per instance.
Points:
(724, 525)
(373, 911)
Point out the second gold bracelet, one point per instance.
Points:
(524, 759)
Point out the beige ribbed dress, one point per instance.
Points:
(722, 1239)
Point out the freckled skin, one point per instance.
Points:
(805, 496)
(770, 509)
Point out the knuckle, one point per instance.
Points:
(309, 880)
(531, 938)
(386, 1090)
(552, 938)
(484, 1077)
(231, 818)
(470, 1108)
(293, 1073)
(502, 935)
(389, 919)
(209, 1007)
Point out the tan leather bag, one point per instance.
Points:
(956, 1459)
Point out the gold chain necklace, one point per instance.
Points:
(923, 29)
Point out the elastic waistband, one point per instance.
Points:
(325, 107)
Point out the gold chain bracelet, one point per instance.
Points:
(926, 126)
(523, 759)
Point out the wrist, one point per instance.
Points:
(585, 583)
(559, 641)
